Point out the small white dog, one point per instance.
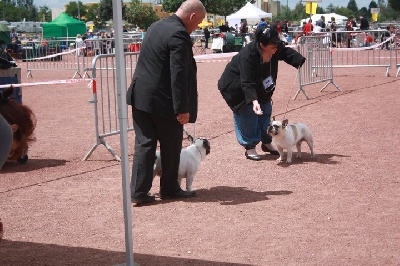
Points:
(286, 136)
(191, 157)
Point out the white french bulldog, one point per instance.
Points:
(286, 136)
(191, 157)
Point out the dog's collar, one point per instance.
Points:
(201, 156)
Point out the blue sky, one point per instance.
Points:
(291, 3)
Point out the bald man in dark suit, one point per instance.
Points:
(163, 95)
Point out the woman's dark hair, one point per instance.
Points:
(22, 116)
(266, 36)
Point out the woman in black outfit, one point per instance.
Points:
(247, 85)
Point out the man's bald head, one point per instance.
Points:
(191, 6)
(192, 13)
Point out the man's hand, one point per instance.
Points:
(183, 118)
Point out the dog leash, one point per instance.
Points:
(287, 105)
(189, 137)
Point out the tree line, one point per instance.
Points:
(140, 15)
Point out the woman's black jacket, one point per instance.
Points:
(241, 81)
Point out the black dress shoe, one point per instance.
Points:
(180, 194)
(143, 200)
(254, 157)
(264, 148)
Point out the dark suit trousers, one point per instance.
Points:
(148, 129)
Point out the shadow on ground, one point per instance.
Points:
(27, 253)
(229, 195)
(306, 158)
(32, 165)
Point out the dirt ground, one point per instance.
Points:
(340, 209)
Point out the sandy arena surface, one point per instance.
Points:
(340, 209)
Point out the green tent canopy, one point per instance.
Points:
(4, 34)
(63, 26)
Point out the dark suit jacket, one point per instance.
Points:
(165, 81)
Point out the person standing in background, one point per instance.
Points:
(364, 24)
(206, 36)
(308, 28)
(224, 27)
(13, 34)
(321, 22)
(285, 26)
(262, 23)
(163, 95)
(336, 37)
(243, 30)
(350, 25)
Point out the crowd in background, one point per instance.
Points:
(290, 33)
(339, 34)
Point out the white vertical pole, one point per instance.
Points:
(79, 12)
(123, 121)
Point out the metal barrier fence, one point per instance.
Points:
(51, 55)
(340, 37)
(318, 66)
(324, 52)
(363, 49)
(105, 101)
(66, 54)
(93, 47)
(396, 46)
(371, 48)
(357, 39)
(374, 48)
(199, 43)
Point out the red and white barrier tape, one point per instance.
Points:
(372, 47)
(52, 55)
(213, 57)
(51, 82)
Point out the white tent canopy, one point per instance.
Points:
(338, 18)
(249, 12)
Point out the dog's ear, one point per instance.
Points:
(208, 147)
(273, 118)
(284, 123)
